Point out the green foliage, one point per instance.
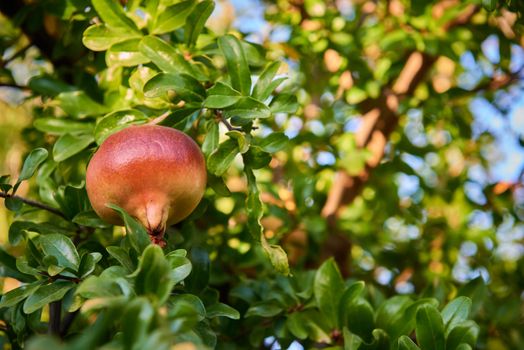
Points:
(259, 260)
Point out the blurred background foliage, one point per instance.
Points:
(430, 202)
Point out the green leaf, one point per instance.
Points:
(153, 277)
(351, 341)
(88, 264)
(255, 158)
(125, 54)
(100, 37)
(113, 15)
(456, 312)
(222, 158)
(210, 143)
(406, 322)
(137, 233)
(14, 296)
(122, 256)
(276, 255)
(220, 101)
(242, 140)
(221, 95)
(430, 328)
(136, 321)
(254, 209)
(116, 121)
(247, 108)
(328, 289)
(46, 294)
(218, 185)
(78, 104)
(296, 325)
(284, 103)
(8, 267)
(68, 145)
(13, 203)
(89, 218)
(62, 248)
(390, 312)
(60, 126)
(274, 142)
(31, 164)
(185, 86)
(264, 309)
(464, 347)
(464, 333)
(222, 310)
(196, 21)
(173, 17)
(349, 296)
(405, 343)
(48, 85)
(361, 319)
(236, 61)
(265, 83)
(180, 266)
(166, 57)
(199, 277)
(222, 89)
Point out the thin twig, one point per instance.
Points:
(67, 322)
(17, 54)
(35, 204)
(224, 121)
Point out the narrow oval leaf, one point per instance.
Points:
(248, 108)
(236, 62)
(14, 296)
(456, 312)
(68, 145)
(185, 86)
(78, 104)
(430, 328)
(60, 126)
(46, 294)
(405, 343)
(32, 162)
(153, 278)
(100, 37)
(463, 333)
(113, 15)
(264, 87)
(196, 20)
(136, 322)
(264, 309)
(222, 310)
(328, 289)
(137, 233)
(173, 17)
(220, 101)
(274, 142)
(126, 54)
(62, 248)
(116, 121)
(221, 159)
(166, 57)
(122, 256)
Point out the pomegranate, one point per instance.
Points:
(155, 173)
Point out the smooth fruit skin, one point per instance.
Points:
(155, 173)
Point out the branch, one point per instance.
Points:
(35, 204)
(55, 310)
(379, 119)
(224, 121)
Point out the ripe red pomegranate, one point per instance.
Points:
(157, 174)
